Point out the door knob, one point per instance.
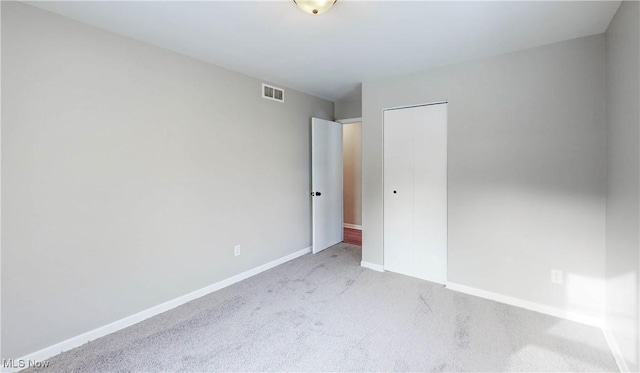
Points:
(394, 192)
(318, 194)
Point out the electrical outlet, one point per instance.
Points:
(236, 250)
(556, 276)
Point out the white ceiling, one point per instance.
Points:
(356, 41)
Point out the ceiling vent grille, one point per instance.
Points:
(272, 93)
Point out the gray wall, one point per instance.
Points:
(526, 170)
(352, 167)
(349, 106)
(623, 178)
(129, 172)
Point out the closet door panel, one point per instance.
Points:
(398, 190)
(430, 192)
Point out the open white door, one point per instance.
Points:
(326, 183)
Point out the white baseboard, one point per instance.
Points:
(81, 339)
(352, 226)
(584, 319)
(615, 350)
(375, 267)
(532, 306)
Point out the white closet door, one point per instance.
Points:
(398, 190)
(415, 157)
(430, 197)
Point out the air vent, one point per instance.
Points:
(272, 93)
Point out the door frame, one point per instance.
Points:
(383, 175)
(349, 120)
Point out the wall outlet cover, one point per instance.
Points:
(556, 276)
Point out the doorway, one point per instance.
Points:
(352, 180)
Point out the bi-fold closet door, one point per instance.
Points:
(415, 191)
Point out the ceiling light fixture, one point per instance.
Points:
(314, 7)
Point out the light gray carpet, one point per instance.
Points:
(324, 312)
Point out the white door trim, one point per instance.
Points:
(415, 105)
(349, 120)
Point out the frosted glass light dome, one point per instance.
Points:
(314, 7)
